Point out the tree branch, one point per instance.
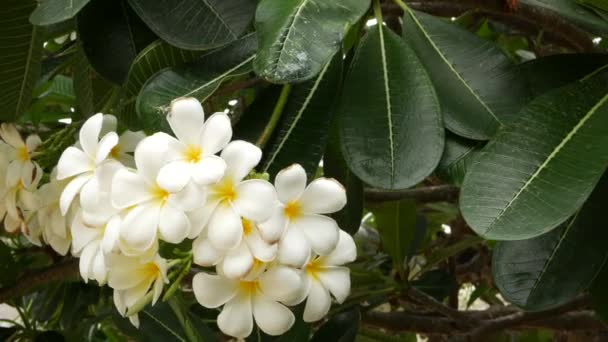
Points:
(26, 284)
(437, 193)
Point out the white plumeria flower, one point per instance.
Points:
(239, 261)
(86, 164)
(245, 300)
(21, 170)
(54, 225)
(127, 142)
(152, 208)
(233, 210)
(192, 154)
(19, 200)
(326, 274)
(298, 219)
(133, 278)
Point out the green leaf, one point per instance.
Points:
(196, 24)
(51, 12)
(20, 54)
(390, 121)
(297, 38)
(437, 284)
(538, 171)
(302, 131)
(458, 155)
(172, 322)
(445, 253)
(573, 12)
(254, 120)
(112, 35)
(546, 271)
(334, 166)
(396, 223)
(342, 327)
(599, 295)
(198, 79)
(153, 58)
(472, 78)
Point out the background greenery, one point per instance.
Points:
(472, 138)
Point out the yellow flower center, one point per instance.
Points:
(293, 210)
(193, 154)
(23, 154)
(249, 287)
(314, 267)
(151, 270)
(224, 191)
(159, 194)
(114, 152)
(247, 226)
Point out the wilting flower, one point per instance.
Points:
(85, 164)
(325, 274)
(249, 299)
(55, 227)
(192, 154)
(299, 215)
(21, 171)
(152, 208)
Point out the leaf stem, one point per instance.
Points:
(274, 118)
(378, 12)
(401, 4)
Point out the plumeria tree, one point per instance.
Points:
(295, 170)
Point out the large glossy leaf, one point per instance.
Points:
(298, 37)
(301, 133)
(470, 74)
(252, 123)
(458, 155)
(539, 170)
(54, 11)
(196, 24)
(198, 79)
(20, 54)
(396, 223)
(570, 10)
(390, 121)
(153, 58)
(542, 272)
(112, 35)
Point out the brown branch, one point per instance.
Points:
(527, 19)
(437, 193)
(26, 284)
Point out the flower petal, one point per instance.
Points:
(71, 190)
(271, 317)
(99, 269)
(255, 199)
(173, 225)
(209, 170)
(318, 303)
(111, 234)
(260, 249)
(32, 142)
(235, 319)
(323, 196)
(109, 124)
(345, 251)
(241, 157)
(129, 189)
(272, 229)
(128, 140)
(281, 283)
(150, 155)
(186, 118)
(322, 232)
(237, 262)
(225, 229)
(216, 133)
(290, 183)
(72, 162)
(82, 235)
(138, 230)
(31, 173)
(158, 290)
(200, 217)
(106, 144)
(294, 248)
(336, 280)
(204, 252)
(189, 198)
(85, 263)
(89, 134)
(89, 194)
(174, 176)
(212, 291)
(10, 135)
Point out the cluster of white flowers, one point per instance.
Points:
(114, 198)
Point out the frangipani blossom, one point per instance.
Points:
(127, 142)
(246, 300)
(299, 216)
(55, 226)
(233, 210)
(324, 275)
(21, 171)
(18, 200)
(192, 154)
(239, 261)
(133, 278)
(85, 163)
(153, 210)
